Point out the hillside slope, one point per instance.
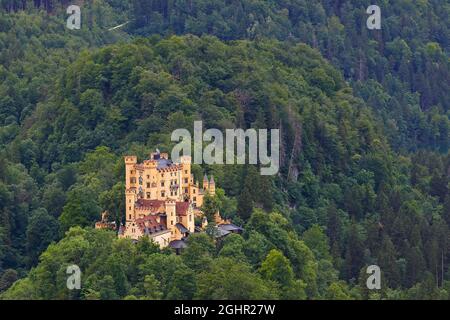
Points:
(342, 201)
(402, 71)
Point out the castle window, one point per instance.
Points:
(129, 208)
(133, 180)
(171, 223)
(148, 184)
(186, 180)
(185, 172)
(186, 190)
(129, 217)
(148, 176)
(194, 191)
(195, 198)
(162, 194)
(148, 195)
(162, 183)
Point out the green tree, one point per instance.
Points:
(228, 279)
(210, 207)
(42, 230)
(81, 208)
(152, 288)
(8, 277)
(276, 267)
(199, 252)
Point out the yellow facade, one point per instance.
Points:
(160, 188)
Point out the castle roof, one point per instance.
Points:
(182, 208)
(182, 228)
(177, 244)
(163, 163)
(154, 206)
(159, 206)
(223, 230)
(230, 227)
(150, 203)
(150, 225)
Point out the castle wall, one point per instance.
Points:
(162, 239)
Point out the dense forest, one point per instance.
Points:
(402, 71)
(365, 131)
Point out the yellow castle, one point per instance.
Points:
(162, 199)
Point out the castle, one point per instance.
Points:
(162, 199)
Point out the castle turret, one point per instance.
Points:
(186, 160)
(171, 216)
(130, 201)
(212, 186)
(205, 183)
(186, 176)
(130, 171)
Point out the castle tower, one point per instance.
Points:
(130, 201)
(190, 220)
(186, 162)
(130, 172)
(212, 186)
(171, 217)
(185, 175)
(205, 183)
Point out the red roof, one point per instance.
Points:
(159, 206)
(182, 208)
(152, 223)
(151, 205)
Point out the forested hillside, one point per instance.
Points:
(402, 71)
(364, 173)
